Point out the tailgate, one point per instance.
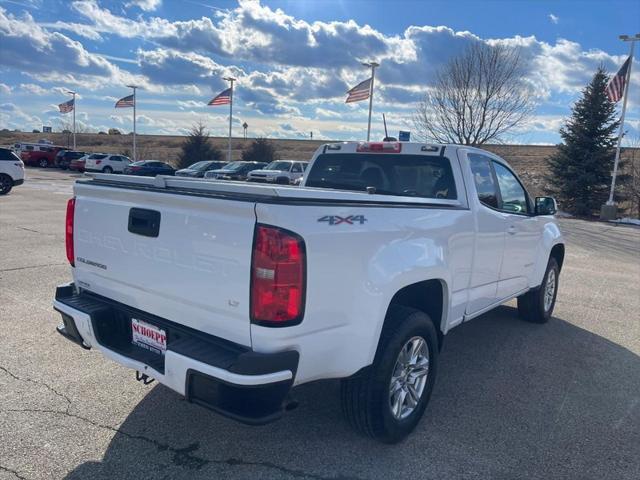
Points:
(194, 269)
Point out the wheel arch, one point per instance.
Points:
(557, 252)
(428, 296)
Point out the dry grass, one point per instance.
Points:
(527, 160)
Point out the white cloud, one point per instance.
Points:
(146, 5)
(34, 89)
(5, 89)
(554, 18)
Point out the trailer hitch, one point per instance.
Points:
(144, 378)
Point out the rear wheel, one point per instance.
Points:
(387, 399)
(537, 305)
(107, 169)
(43, 163)
(6, 184)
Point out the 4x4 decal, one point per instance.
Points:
(337, 220)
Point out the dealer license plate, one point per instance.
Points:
(148, 336)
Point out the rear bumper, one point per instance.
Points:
(225, 377)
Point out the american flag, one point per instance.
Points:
(359, 92)
(125, 102)
(67, 107)
(223, 98)
(615, 87)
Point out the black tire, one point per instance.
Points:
(365, 396)
(6, 184)
(107, 169)
(531, 305)
(43, 163)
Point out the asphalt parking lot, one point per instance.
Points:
(512, 400)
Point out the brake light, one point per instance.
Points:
(71, 209)
(380, 147)
(277, 277)
(98, 162)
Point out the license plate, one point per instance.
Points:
(148, 336)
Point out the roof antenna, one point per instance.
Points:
(387, 138)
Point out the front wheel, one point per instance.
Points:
(387, 399)
(107, 169)
(537, 305)
(43, 163)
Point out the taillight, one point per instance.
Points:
(98, 162)
(71, 208)
(277, 277)
(380, 147)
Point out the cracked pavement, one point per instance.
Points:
(512, 400)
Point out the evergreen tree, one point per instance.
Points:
(197, 147)
(580, 171)
(260, 150)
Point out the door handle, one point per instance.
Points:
(512, 230)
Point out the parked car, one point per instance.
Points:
(39, 155)
(11, 170)
(78, 164)
(279, 171)
(199, 169)
(235, 170)
(65, 157)
(105, 163)
(149, 168)
(233, 294)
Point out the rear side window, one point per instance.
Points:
(97, 156)
(6, 154)
(483, 179)
(389, 174)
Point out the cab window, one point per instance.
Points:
(483, 179)
(514, 196)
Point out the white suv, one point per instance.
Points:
(11, 171)
(105, 163)
(279, 171)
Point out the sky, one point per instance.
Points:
(294, 60)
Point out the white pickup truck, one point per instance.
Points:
(232, 293)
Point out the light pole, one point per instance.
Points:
(74, 118)
(611, 211)
(135, 157)
(230, 79)
(373, 66)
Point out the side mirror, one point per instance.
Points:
(546, 206)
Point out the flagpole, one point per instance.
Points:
(230, 79)
(373, 66)
(633, 40)
(74, 120)
(135, 155)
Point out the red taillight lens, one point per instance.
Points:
(277, 277)
(71, 209)
(379, 147)
(98, 162)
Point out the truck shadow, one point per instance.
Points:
(512, 400)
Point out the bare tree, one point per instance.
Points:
(477, 97)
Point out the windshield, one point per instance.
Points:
(279, 165)
(389, 174)
(233, 166)
(139, 164)
(198, 166)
